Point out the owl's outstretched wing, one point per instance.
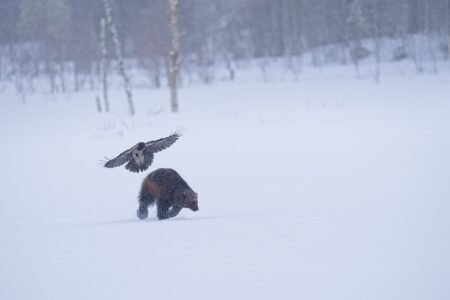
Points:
(161, 144)
(119, 160)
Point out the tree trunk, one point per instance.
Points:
(174, 54)
(116, 42)
(104, 63)
(448, 27)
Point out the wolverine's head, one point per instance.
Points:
(189, 200)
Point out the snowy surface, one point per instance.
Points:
(328, 187)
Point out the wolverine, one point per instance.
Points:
(169, 191)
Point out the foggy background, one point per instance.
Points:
(60, 40)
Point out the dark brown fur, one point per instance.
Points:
(169, 191)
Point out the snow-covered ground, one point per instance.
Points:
(328, 187)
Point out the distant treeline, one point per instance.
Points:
(61, 38)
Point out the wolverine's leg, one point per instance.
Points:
(174, 211)
(145, 200)
(163, 209)
(142, 212)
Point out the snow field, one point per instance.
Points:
(325, 188)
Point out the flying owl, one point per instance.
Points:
(140, 156)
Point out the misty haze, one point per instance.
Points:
(224, 149)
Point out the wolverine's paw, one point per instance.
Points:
(142, 213)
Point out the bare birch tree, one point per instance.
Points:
(104, 63)
(357, 23)
(448, 27)
(115, 36)
(376, 11)
(174, 54)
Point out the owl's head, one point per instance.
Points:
(141, 146)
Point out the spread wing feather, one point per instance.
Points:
(119, 160)
(161, 144)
